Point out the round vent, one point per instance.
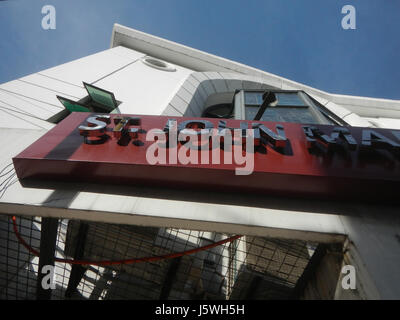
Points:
(158, 64)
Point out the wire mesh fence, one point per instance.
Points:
(170, 263)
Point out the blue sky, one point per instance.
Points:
(301, 40)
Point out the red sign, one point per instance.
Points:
(214, 154)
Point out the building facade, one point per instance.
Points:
(289, 247)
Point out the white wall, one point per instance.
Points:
(28, 102)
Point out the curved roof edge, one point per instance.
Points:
(198, 60)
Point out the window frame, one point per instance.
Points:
(85, 84)
(318, 112)
(60, 98)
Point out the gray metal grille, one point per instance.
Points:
(246, 268)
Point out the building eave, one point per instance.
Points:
(198, 60)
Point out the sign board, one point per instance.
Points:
(218, 154)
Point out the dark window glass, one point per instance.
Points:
(101, 97)
(291, 107)
(73, 106)
(223, 110)
(284, 99)
(253, 98)
(290, 99)
(282, 114)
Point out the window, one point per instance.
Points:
(98, 100)
(100, 97)
(219, 105)
(223, 110)
(291, 106)
(73, 106)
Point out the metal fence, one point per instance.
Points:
(112, 261)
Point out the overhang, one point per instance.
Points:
(202, 61)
